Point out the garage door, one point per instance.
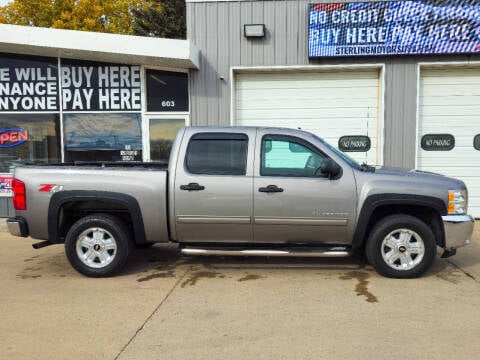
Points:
(331, 104)
(449, 120)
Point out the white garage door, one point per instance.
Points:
(329, 103)
(450, 105)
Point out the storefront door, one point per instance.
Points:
(159, 134)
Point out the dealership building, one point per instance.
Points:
(394, 83)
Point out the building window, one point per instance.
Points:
(28, 139)
(166, 91)
(103, 137)
(162, 135)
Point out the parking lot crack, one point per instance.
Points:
(154, 311)
(463, 271)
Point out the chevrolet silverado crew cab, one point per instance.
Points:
(243, 191)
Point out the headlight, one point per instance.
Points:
(457, 201)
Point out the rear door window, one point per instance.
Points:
(217, 154)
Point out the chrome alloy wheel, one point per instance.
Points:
(403, 249)
(96, 247)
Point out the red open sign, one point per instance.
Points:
(12, 137)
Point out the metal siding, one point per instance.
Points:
(280, 34)
(223, 66)
(269, 41)
(302, 53)
(400, 112)
(245, 44)
(410, 110)
(257, 44)
(198, 78)
(211, 57)
(292, 32)
(235, 33)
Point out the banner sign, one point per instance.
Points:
(90, 86)
(394, 28)
(6, 184)
(438, 142)
(28, 84)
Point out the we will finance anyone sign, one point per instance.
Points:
(36, 84)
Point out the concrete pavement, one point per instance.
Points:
(165, 306)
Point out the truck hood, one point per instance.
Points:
(417, 175)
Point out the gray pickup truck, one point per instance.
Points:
(243, 191)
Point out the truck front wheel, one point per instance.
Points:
(98, 245)
(401, 246)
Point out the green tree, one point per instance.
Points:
(113, 16)
(164, 18)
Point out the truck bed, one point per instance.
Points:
(144, 183)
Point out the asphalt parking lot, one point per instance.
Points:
(167, 306)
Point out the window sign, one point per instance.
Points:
(88, 86)
(12, 137)
(28, 84)
(6, 184)
(103, 137)
(354, 143)
(167, 91)
(394, 28)
(32, 138)
(438, 142)
(476, 142)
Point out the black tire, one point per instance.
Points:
(404, 258)
(104, 241)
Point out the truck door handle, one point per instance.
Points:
(192, 187)
(270, 189)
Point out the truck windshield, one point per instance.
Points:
(344, 156)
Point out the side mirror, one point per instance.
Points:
(330, 168)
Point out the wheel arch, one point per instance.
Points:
(426, 208)
(66, 207)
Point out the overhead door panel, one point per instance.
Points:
(330, 104)
(450, 104)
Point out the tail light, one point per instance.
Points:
(19, 195)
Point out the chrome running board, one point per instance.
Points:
(303, 252)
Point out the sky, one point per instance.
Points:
(3, 2)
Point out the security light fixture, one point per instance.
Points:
(254, 30)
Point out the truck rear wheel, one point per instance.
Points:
(98, 245)
(401, 246)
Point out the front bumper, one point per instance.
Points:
(17, 227)
(458, 230)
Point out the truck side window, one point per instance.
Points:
(285, 157)
(217, 154)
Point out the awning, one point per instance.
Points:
(94, 46)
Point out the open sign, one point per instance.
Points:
(12, 137)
